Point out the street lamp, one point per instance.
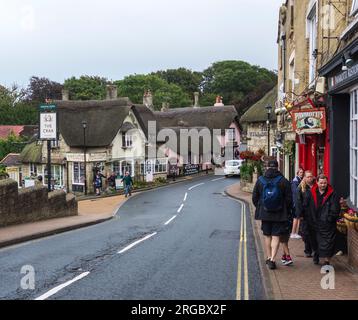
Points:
(84, 126)
(268, 110)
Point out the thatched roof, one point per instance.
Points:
(257, 113)
(208, 117)
(11, 160)
(104, 119)
(32, 153)
(144, 115)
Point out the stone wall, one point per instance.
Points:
(353, 247)
(32, 204)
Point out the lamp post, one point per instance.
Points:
(268, 110)
(84, 126)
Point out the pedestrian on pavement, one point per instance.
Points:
(272, 198)
(38, 181)
(127, 182)
(303, 195)
(97, 181)
(296, 221)
(321, 215)
(112, 180)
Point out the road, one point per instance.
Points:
(186, 241)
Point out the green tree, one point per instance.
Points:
(187, 79)
(238, 82)
(12, 144)
(134, 87)
(14, 110)
(86, 87)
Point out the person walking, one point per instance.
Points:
(272, 198)
(296, 221)
(321, 214)
(303, 195)
(97, 181)
(127, 182)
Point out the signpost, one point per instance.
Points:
(48, 132)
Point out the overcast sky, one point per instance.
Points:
(114, 38)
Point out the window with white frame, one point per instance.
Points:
(56, 176)
(55, 144)
(33, 169)
(116, 167)
(160, 166)
(354, 148)
(78, 173)
(292, 74)
(354, 8)
(312, 40)
(127, 140)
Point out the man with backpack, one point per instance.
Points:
(272, 198)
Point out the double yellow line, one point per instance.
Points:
(242, 259)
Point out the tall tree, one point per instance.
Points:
(86, 87)
(238, 82)
(134, 87)
(40, 89)
(187, 79)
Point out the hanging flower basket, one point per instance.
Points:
(342, 226)
(351, 218)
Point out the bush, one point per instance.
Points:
(160, 180)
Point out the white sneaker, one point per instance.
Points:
(292, 236)
(297, 236)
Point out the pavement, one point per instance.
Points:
(302, 280)
(91, 210)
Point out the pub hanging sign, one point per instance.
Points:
(309, 121)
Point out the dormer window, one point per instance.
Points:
(127, 140)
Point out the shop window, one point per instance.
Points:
(116, 167)
(354, 148)
(161, 166)
(56, 176)
(78, 173)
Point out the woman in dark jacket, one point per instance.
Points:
(321, 216)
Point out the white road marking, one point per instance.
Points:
(170, 220)
(60, 287)
(186, 194)
(197, 185)
(137, 242)
(218, 179)
(181, 207)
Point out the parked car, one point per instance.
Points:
(232, 167)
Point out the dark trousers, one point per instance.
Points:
(309, 238)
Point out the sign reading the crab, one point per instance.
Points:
(309, 121)
(48, 126)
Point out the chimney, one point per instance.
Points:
(148, 100)
(165, 107)
(111, 92)
(219, 102)
(65, 95)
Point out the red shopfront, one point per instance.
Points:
(313, 140)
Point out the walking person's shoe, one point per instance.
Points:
(288, 261)
(267, 260)
(272, 265)
(297, 236)
(308, 255)
(316, 258)
(283, 259)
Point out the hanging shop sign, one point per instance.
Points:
(309, 121)
(48, 126)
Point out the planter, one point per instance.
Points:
(351, 221)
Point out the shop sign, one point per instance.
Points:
(190, 169)
(343, 77)
(48, 126)
(92, 157)
(309, 121)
